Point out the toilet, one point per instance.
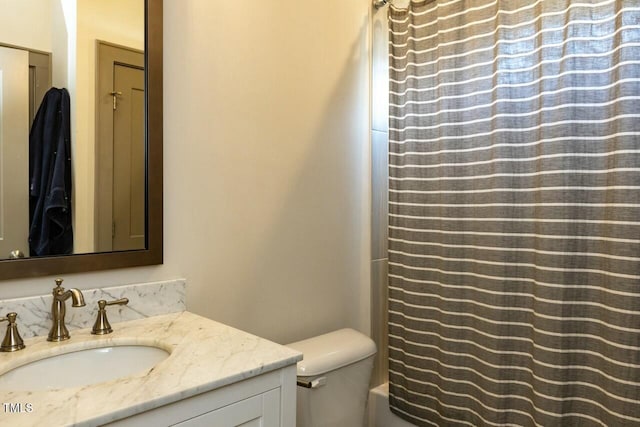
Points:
(333, 379)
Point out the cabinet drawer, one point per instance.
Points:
(257, 411)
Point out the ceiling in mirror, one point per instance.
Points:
(72, 127)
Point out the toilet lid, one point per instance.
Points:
(331, 351)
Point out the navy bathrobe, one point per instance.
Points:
(50, 221)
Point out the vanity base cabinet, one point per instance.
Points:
(268, 400)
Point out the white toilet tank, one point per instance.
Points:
(336, 370)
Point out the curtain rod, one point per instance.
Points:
(380, 3)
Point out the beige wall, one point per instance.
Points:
(26, 23)
(39, 25)
(267, 181)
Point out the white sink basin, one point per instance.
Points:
(81, 368)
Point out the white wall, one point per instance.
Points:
(266, 166)
(63, 42)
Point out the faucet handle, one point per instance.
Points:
(102, 326)
(12, 340)
(59, 284)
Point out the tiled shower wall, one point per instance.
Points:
(379, 186)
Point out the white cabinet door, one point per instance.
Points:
(257, 411)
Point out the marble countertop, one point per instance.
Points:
(205, 355)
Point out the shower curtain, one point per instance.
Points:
(514, 223)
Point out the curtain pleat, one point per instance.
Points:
(514, 213)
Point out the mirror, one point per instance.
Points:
(99, 207)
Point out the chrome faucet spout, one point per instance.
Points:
(59, 331)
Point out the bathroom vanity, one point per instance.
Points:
(214, 375)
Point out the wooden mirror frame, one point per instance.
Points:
(76, 263)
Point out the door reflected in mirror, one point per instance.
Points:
(120, 176)
(72, 127)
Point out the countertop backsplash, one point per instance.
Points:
(145, 300)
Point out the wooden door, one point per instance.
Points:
(121, 163)
(14, 151)
(128, 159)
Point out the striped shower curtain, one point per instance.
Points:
(514, 228)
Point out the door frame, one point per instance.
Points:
(14, 147)
(40, 77)
(107, 55)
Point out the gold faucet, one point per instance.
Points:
(12, 340)
(59, 331)
(102, 325)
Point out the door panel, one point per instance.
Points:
(128, 159)
(120, 208)
(39, 80)
(262, 410)
(14, 151)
